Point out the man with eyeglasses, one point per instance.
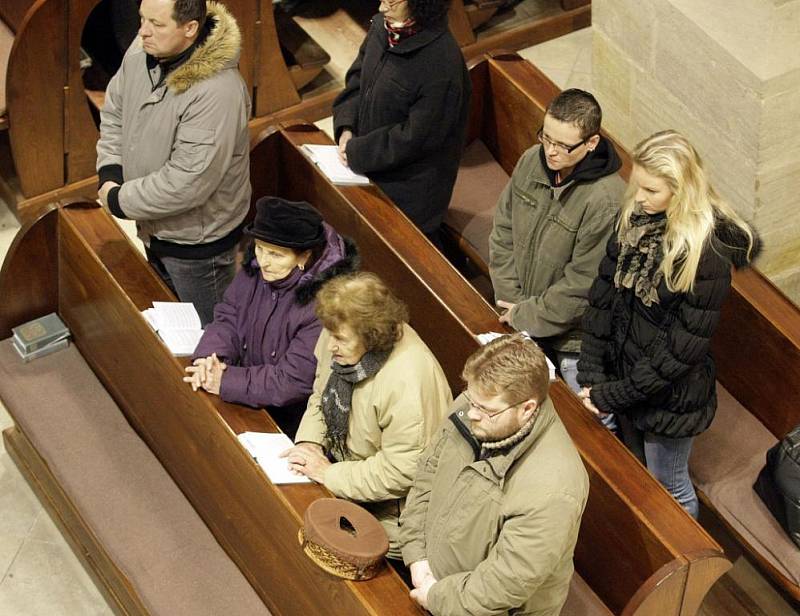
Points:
(551, 227)
(492, 519)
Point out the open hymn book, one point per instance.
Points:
(265, 448)
(326, 157)
(178, 325)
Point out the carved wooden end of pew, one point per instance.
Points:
(52, 132)
(638, 550)
(77, 261)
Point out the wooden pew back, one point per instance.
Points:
(98, 282)
(631, 523)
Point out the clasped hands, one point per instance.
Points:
(307, 459)
(422, 579)
(509, 308)
(346, 136)
(206, 373)
(102, 194)
(585, 396)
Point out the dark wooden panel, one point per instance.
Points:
(274, 86)
(29, 276)
(12, 12)
(246, 14)
(81, 134)
(757, 351)
(35, 97)
(459, 23)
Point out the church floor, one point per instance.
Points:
(40, 576)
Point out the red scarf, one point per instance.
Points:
(399, 32)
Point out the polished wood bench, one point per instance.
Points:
(90, 273)
(638, 551)
(758, 401)
(466, 16)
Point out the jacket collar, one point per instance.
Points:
(501, 463)
(218, 51)
(413, 43)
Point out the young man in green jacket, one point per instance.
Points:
(551, 227)
(492, 519)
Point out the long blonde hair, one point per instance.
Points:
(692, 212)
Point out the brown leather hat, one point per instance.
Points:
(343, 538)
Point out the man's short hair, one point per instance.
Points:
(184, 11)
(577, 107)
(513, 366)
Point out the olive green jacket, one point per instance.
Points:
(546, 245)
(394, 416)
(498, 533)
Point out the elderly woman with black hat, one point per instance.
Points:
(259, 350)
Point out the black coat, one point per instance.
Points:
(653, 364)
(407, 107)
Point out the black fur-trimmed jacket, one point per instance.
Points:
(653, 364)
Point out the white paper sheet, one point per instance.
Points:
(176, 315)
(265, 448)
(326, 157)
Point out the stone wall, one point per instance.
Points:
(726, 73)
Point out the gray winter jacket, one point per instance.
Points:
(182, 142)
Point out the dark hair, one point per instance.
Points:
(250, 255)
(428, 12)
(577, 107)
(184, 11)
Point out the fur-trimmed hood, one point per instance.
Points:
(219, 51)
(732, 242)
(307, 290)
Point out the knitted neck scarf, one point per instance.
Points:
(337, 397)
(399, 31)
(640, 256)
(490, 447)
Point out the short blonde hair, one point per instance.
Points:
(362, 301)
(513, 366)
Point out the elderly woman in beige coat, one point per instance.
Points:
(379, 396)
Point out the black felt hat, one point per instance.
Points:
(292, 224)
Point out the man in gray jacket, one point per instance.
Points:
(551, 227)
(173, 153)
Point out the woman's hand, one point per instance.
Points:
(346, 136)
(585, 396)
(307, 459)
(420, 573)
(206, 373)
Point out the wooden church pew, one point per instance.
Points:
(90, 273)
(509, 99)
(52, 132)
(638, 550)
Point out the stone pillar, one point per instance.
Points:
(726, 73)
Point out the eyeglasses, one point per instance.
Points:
(561, 148)
(484, 410)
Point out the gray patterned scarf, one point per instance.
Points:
(337, 398)
(640, 254)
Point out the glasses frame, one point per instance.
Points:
(560, 147)
(483, 411)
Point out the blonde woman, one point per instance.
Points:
(655, 305)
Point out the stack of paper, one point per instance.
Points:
(326, 157)
(178, 324)
(489, 336)
(265, 449)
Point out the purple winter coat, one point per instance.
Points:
(266, 331)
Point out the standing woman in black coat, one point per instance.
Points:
(655, 305)
(402, 117)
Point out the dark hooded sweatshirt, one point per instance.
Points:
(653, 363)
(547, 242)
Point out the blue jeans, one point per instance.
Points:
(667, 459)
(199, 281)
(568, 369)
